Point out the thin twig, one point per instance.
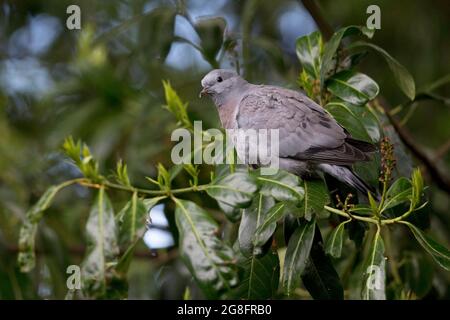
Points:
(442, 150)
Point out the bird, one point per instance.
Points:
(310, 139)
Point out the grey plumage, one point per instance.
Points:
(310, 139)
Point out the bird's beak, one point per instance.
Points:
(203, 93)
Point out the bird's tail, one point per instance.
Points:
(350, 178)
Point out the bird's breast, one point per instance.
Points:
(228, 113)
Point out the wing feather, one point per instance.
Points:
(307, 132)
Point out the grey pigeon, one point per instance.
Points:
(310, 139)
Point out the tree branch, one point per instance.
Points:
(442, 150)
(324, 27)
(439, 177)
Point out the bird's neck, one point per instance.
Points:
(227, 114)
(228, 105)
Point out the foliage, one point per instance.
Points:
(240, 234)
(265, 201)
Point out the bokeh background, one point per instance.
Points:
(103, 84)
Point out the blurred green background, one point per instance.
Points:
(103, 84)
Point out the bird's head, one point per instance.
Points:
(219, 81)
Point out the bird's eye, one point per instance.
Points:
(219, 79)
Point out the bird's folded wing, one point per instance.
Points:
(306, 130)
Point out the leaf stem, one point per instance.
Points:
(345, 214)
(381, 222)
(70, 182)
(398, 219)
(88, 183)
(383, 197)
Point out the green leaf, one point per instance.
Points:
(401, 75)
(176, 106)
(232, 213)
(72, 149)
(260, 277)
(125, 260)
(328, 61)
(26, 258)
(283, 186)
(80, 154)
(187, 294)
(164, 180)
(234, 190)
(319, 277)
(174, 171)
(253, 217)
(269, 223)
(192, 170)
(297, 254)
(304, 82)
(369, 171)
(353, 87)
(348, 120)
(369, 120)
(335, 240)
(132, 226)
(417, 187)
(35, 213)
(418, 273)
(102, 250)
(122, 173)
(438, 252)
(400, 191)
(361, 209)
(131, 221)
(309, 49)
(316, 197)
(352, 60)
(290, 224)
(209, 260)
(211, 32)
(373, 204)
(154, 43)
(27, 237)
(374, 273)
